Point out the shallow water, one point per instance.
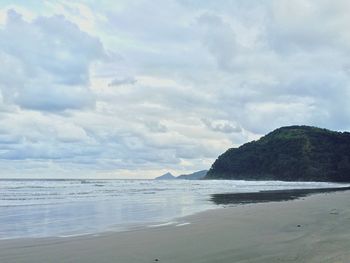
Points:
(43, 208)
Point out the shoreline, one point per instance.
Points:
(220, 200)
(312, 229)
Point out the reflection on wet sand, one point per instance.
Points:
(269, 196)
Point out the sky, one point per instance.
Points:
(134, 89)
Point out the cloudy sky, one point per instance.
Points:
(132, 89)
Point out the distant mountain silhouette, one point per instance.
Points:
(193, 176)
(166, 176)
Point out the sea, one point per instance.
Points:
(62, 208)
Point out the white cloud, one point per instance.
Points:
(51, 58)
(135, 88)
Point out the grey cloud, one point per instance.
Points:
(156, 127)
(216, 78)
(318, 25)
(219, 38)
(47, 139)
(191, 152)
(122, 81)
(51, 57)
(52, 44)
(222, 126)
(160, 21)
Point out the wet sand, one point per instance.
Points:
(310, 229)
(271, 195)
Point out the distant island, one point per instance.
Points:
(294, 153)
(193, 176)
(166, 176)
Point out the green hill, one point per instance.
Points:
(294, 153)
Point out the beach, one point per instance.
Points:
(311, 229)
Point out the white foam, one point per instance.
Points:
(164, 224)
(74, 235)
(183, 224)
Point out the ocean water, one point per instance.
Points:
(45, 208)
